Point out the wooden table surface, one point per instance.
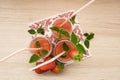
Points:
(102, 18)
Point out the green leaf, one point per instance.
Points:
(80, 48)
(74, 38)
(34, 58)
(91, 35)
(54, 29)
(60, 36)
(32, 31)
(65, 47)
(38, 44)
(86, 34)
(73, 19)
(65, 33)
(41, 31)
(86, 43)
(78, 57)
(44, 51)
(60, 66)
(61, 32)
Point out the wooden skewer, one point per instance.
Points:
(79, 10)
(18, 51)
(51, 60)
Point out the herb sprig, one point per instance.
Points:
(36, 57)
(73, 20)
(38, 31)
(60, 31)
(66, 49)
(88, 37)
(76, 42)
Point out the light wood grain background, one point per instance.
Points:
(102, 18)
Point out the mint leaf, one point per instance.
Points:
(65, 33)
(60, 36)
(73, 19)
(80, 48)
(32, 31)
(91, 35)
(86, 34)
(61, 32)
(44, 52)
(41, 31)
(38, 44)
(65, 47)
(74, 38)
(86, 43)
(60, 66)
(88, 38)
(34, 58)
(54, 29)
